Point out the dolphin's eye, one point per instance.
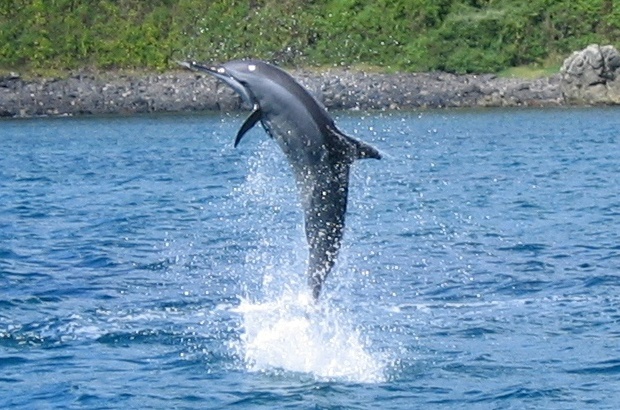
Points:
(251, 67)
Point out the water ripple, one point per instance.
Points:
(145, 263)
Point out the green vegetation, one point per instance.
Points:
(458, 36)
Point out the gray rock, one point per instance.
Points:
(592, 76)
(181, 91)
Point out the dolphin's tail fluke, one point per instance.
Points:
(315, 283)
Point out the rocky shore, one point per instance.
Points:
(338, 89)
(183, 91)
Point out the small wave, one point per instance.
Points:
(293, 334)
(608, 367)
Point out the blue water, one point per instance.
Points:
(145, 263)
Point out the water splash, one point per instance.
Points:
(282, 329)
(291, 333)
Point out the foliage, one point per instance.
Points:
(413, 35)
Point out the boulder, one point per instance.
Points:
(592, 76)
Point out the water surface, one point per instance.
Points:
(145, 263)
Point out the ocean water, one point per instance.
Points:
(145, 263)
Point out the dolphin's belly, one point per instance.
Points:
(323, 182)
(300, 140)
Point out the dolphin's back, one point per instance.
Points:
(312, 106)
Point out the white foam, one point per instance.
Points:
(285, 330)
(293, 334)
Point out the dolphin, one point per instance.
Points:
(319, 153)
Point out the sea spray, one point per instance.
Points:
(291, 333)
(281, 328)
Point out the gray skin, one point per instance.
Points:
(320, 154)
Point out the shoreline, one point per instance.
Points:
(338, 89)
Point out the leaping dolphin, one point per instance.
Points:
(319, 153)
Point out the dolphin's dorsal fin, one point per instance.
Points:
(356, 149)
(364, 150)
(249, 122)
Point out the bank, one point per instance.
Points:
(590, 76)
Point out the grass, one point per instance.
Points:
(548, 67)
(529, 72)
(524, 72)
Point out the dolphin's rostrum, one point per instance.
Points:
(319, 153)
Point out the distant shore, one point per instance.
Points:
(184, 91)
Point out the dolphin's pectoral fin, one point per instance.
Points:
(254, 117)
(354, 149)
